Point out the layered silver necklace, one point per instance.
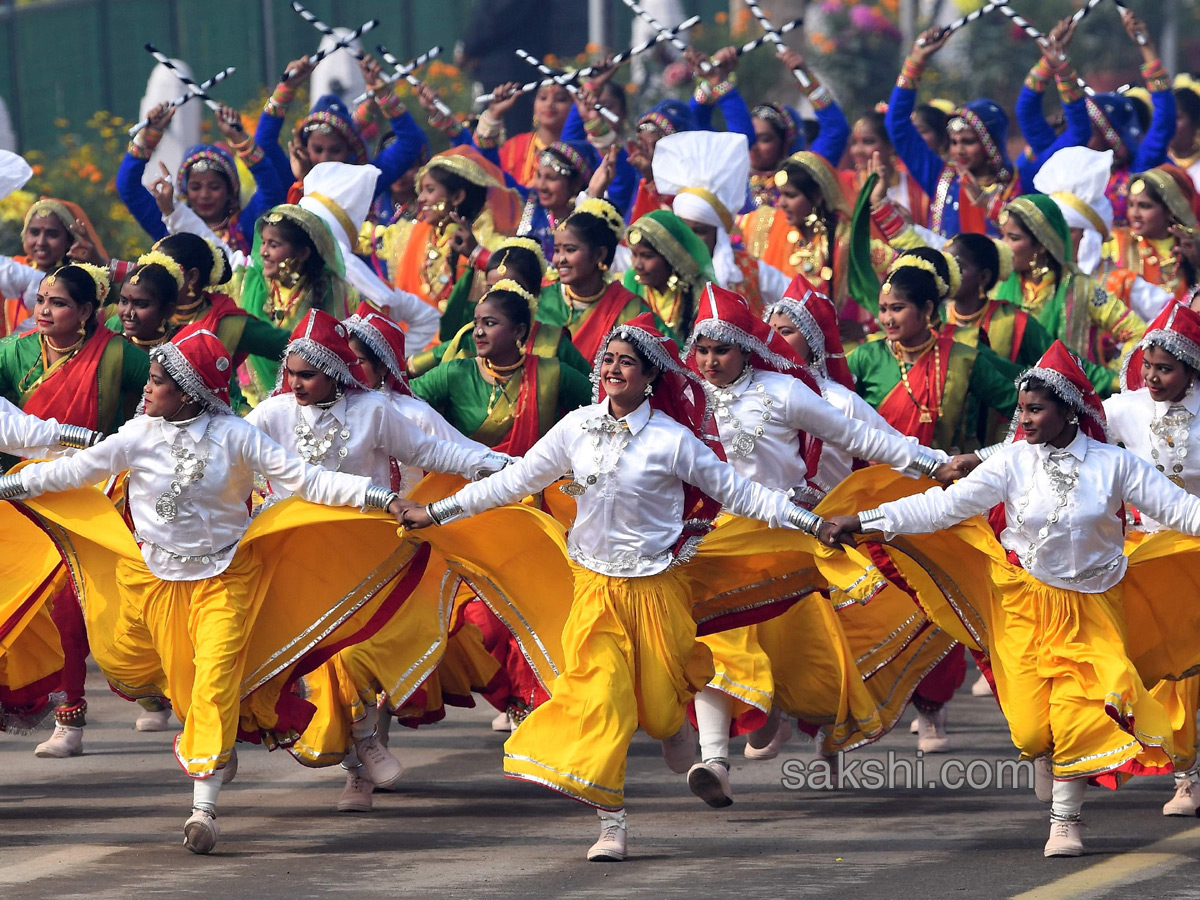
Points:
(189, 468)
(314, 447)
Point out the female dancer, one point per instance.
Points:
(184, 607)
(1159, 245)
(868, 137)
(670, 268)
(1046, 601)
(630, 648)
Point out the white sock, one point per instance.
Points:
(1067, 798)
(204, 792)
(350, 760)
(1192, 774)
(714, 712)
(364, 727)
(612, 818)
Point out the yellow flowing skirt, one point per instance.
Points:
(1072, 669)
(742, 670)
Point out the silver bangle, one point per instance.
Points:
(445, 510)
(11, 486)
(871, 519)
(77, 437)
(985, 453)
(379, 497)
(925, 463)
(803, 519)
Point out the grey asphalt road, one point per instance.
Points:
(108, 825)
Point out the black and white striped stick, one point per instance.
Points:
(409, 67)
(1122, 9)
(967, 19)
(320, 26)
(1087, 8)
(341, 44)
(589, 70)
(412, 79)
(1026, 26)
(759, 41)
(772, 35)
(565, 78)
(179, 101)
(194, 89)
(658, 26)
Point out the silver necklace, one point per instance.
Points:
(606, 462)
(1171, 429)
(313, 447)
(743, 440)
(189, 468)
(1062, 484)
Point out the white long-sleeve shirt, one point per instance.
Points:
(366, 432)
(22, 434)
(421, 318)
(200, 541)
(630, 516)
(1062, 508)
(1130, 417)
(836, 464)
(434, 424)
(778, 405)
(19, 280)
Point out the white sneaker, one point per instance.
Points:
(1043, 779)
(1065, 839)
(67, 740)
(915, 727)
(200, 831)
(356, 795)
(679, 750)
(153, 720)
(377, 764)
(230, 771)
(502, 723)
(612, 843)
(981, 688)
(1186, 801)
(710, 782)
(931, 732)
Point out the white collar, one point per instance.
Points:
(736, 387)
(635, 421)
(313, 413)
(194, 428)
(1077, 448)
(1190, 402)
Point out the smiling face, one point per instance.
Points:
(307, 384)
(46, 241)
(783, 326)
(1167, 378)
(59, 317)
(1148, 217)
(141, 313)
(767, 149)
(553, 190)
(274, 249)
(550, 107)
(624, 375)
(434, 203)
(1043, 417)
(719, 362)
(902, 320)
(577, 262)
(865, 140)
(208, 195)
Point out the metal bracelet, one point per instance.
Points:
(445, 510)
(871, 520)
(926, 464)
(804, 520)
(11, 486)
(77, 437)
(989, 451)
(379, 497)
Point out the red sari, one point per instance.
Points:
(70, 393)
(602, 317)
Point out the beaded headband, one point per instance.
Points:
(966, 118)
(158, 258)
(565, 160)
(779, 121)
(507, 284)
(655, 121)
(206, 160)
(602, 210)
(521, 243)
(916, 262)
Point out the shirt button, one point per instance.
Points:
(956, 204)
(206, 560)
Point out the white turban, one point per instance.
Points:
(1076, 178)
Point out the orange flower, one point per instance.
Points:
(591, 47)
(37, 169)
(721, 17)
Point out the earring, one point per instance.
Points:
(673, 281)
(1074, 420)
(1040, 269)
(287, 272)
(648, 389)
(603, 266)
(82, 330)
(815, 222)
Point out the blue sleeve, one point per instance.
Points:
(1079, 125)
(269, 190)
(834, 134)
(1153, 151)
(464, 138)
(922, 163)
(1077, 133)
(624, 183)
(398, 156)
(1037, 131)
(266, 135)
(701, 115)
(573, 129)
(737, 114)
(138, 200)
(637, 183)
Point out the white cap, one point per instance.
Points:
(340, 194)
(708, 173)
(1075, 178)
